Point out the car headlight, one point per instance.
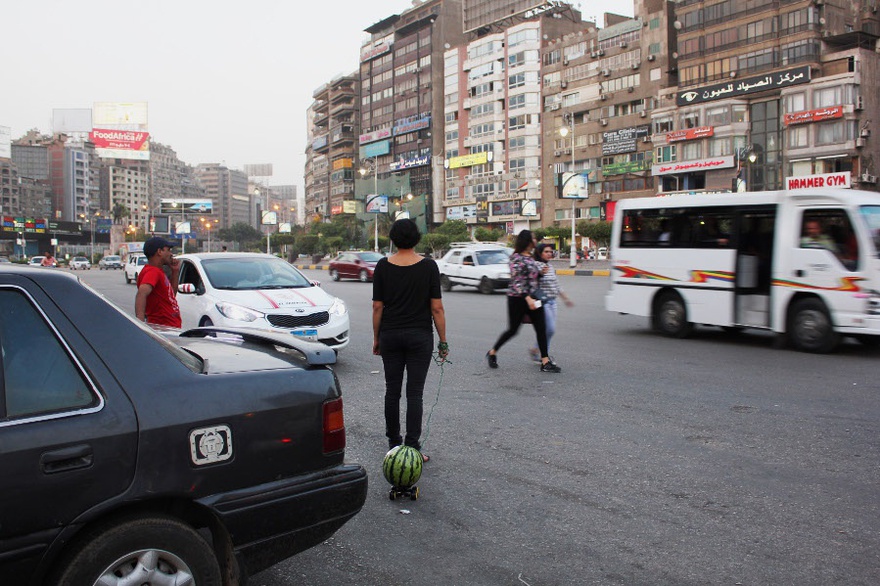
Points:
(238, 312)
(338, 307)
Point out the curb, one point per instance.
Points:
(567, 272)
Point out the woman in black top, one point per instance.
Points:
(406, 300)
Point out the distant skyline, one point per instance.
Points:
(226, 82)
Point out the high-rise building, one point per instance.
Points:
(228, 191)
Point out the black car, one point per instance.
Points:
(129, 454)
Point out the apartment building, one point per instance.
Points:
(771, 95)
(229, 191)
(493, 123)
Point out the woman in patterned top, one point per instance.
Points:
(521, 301)
(550, 286)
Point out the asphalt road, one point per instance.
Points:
(648, 461)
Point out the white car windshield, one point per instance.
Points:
(493, 257)
(253, 273)
(871, 216)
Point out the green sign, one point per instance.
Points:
(628, 167)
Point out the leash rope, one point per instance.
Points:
(442, 362)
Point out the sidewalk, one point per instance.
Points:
(584, 268)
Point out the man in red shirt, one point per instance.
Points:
(156, 299)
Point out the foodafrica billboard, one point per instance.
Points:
(119, 130)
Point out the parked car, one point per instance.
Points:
(258, 291)
(110, 261)
(484, 266)
(137, 456)
(133, 266)
(3, 259)
(37, 261)
(80, 263)
(354, 265)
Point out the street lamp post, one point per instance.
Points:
(363, 171)
(572, 262)
(182, 222)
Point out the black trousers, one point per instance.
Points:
(517, 308)
(405, 350)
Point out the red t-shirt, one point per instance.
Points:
(162, 306)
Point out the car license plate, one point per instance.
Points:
(311, 335)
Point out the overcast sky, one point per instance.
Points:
(225, 81)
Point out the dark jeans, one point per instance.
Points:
(517, 307)
(409, 350)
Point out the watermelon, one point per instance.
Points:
(402, 466)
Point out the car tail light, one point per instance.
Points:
(334, 426)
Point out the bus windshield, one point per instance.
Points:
(871, 216)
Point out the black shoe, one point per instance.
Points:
(550, 367)
(493, 360)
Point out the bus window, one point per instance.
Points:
(831, 229)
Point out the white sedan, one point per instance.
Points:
(258, 291)
(79, 263)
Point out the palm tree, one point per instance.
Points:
(119, 211)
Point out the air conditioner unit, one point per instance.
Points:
(630, 89)
(567, 151)
(643, 114)
(594, 54)
(858, 105)
(635, 65)
(651, 57)
(606, 72)
(607, 197)
(820, 2)
(865, 133)
(623, 44)
(600, 52)
(603, 96)
(646, 139)
(565, 61)
(554, 106)
(563, 84)
(868, 178)
(860, 142)
(557, 152)
(603, 122)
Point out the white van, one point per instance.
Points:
(803, 264)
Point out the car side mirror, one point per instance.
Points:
(186, 288)
(315, 283)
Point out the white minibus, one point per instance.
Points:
(803, 264)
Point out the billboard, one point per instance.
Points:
(120, 130)
(186, 206)
(258, 170)
(70, 120)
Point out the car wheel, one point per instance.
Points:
(334, 275)
(670, 315)
(486, 287)
(127, 280)
(810, 328)
(142, 550)
(445, 283)
(363, 276)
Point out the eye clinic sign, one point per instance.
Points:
(744, 87)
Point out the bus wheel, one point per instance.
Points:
(810, 328)
(670, 315)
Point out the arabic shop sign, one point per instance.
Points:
(403, 163)
(688, 166)
(412, 124)
(628, 167)
(745, 87)
(813, 115)
(468, 160)
(690, 134)
(623, 140)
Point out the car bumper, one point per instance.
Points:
(271, 522)
(500, 283)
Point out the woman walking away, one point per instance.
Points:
(549, 283)
(522, 300)
(406, 300)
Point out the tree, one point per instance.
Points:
(455, 230)
(484, 234)
(119, 211)
(596, 230)
(434, 243)
(244, 234)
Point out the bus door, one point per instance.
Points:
(754, 257)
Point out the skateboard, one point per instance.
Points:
(403, 492)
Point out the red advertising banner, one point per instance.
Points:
(690, 134)
(130, 140)
(813, 115)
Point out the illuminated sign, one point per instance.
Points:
(690, 134)
(744, 87)
(813, 115)
(687, 166)
(186, 206)
(403, 163)
(468, 160)
(841, 179)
